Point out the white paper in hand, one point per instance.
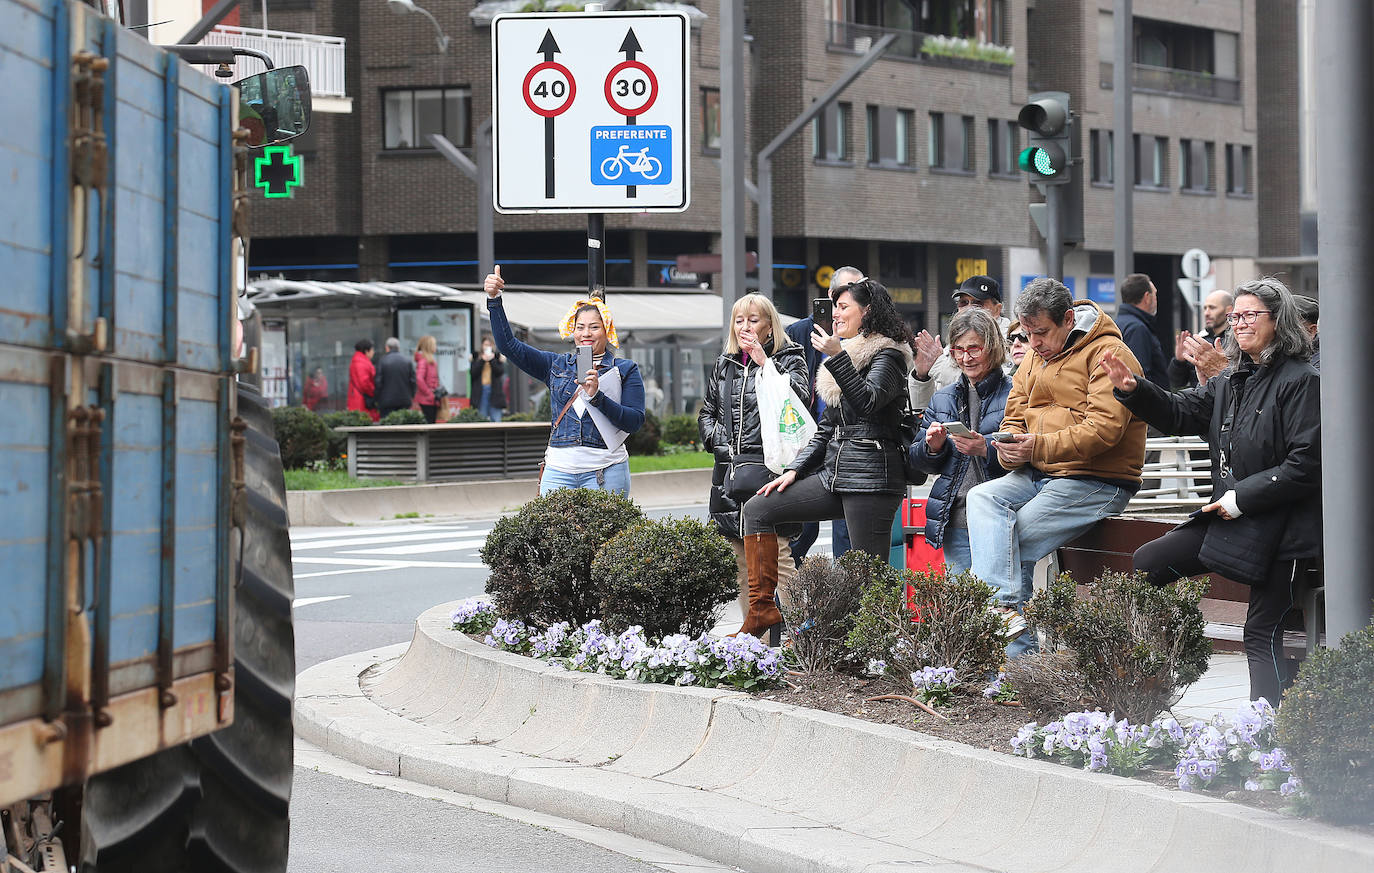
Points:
(609, 383)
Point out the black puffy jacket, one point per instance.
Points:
(857, 446)
(729, 419)
(1270, 456)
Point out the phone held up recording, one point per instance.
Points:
(584, 363)
(823, 312)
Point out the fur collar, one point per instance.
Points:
(862, 350)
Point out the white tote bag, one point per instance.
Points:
(785, 422)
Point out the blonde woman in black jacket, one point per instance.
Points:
(730, 423)
(852, 468)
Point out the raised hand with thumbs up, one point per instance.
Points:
(494, 283)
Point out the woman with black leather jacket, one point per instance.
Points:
(852, 468)
(1262, 419)
(729, 420)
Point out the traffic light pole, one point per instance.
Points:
(1123, 143)
(1054, 231)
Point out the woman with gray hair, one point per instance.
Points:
(966, 456)
(1262, 419)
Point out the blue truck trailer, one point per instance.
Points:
(146, 648)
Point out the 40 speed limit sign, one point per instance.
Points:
(591, 112)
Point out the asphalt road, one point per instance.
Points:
(359, 588)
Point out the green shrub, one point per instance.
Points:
(645, 441)
(681, 430)
(1326, 725)
(468, 415)
(338, 442)
(544, 411)
(1134, 645)
(541, 557)
(404, 416)
(668, 576)
(956, 629)
(302, 436)
(523, 416)
(818, 606)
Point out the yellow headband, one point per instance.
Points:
(565, 328)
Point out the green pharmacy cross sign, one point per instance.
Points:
(277, 171)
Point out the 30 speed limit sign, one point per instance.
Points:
(591, 112)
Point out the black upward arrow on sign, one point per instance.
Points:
(631, 47)
(548, 47)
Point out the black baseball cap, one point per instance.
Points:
(980, 288)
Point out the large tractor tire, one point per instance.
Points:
(221, 802)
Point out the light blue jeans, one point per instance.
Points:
(957, 554)
(615, 478)
(1015, 520)
(484, 405)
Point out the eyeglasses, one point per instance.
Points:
(963, 300)
(1248, 317)
(1018, 338)
(966, 351)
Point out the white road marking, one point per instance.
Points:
(421, 548)
(325, 533)
(384, 564)
(394, 538)
(306, 601)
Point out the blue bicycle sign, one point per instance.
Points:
(631, 155)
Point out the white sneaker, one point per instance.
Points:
(1014, 622)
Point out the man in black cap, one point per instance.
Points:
(934, 367)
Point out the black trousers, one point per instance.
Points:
(869, 516)
(1175, 555)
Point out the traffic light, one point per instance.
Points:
(1049, 156)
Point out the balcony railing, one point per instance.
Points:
(926, 47)
(1185, 83)
(322, 56)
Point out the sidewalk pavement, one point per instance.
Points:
(765, 786)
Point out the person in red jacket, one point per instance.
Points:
(426, 378)
(362, 379)
(316, 390)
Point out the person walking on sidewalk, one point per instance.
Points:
(1075, 456)
(590, 426)
(731, 425)
(1136, 321)
(1262, 420)
(362, 380)
(853, 467)
(426, 378)
(395, 380)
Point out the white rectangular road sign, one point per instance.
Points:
(590, 112)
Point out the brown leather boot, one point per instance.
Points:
(761, 558)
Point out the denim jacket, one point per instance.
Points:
(559, 372)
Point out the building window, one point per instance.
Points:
(1238, 166)
(966, 160)
(1103, 157)
(1195, 165)
(410, 116)
(889, 136)
(875, 152)
(830, 133)
(710, 121)
(936, 146)
(1002, 147)
(1150, 161)
(905, 119)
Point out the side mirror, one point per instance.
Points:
(274, 106)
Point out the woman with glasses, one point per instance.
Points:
(852, 468)
(1018, 343)
(978, 401)
(1262, 419)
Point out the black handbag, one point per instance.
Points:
(908, 427)
(745, 475)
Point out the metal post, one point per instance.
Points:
(486, 234)
(1345, 177)
(596, 251)
(733, 159)
(765, 158)
(1123, 145)
(1054, 231)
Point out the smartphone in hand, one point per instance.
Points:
(584, 363)
(958, 428)
(1004, 437)
(823, 313)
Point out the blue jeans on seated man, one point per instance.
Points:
(1019, 518)
(615, 478)
(955, 545)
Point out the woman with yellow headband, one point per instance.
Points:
(587, 443)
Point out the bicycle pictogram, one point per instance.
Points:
(640, 162)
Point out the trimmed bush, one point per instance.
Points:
(468, 415)
(404, 416)
(1326, 725)
(681, 430)
(523, 416)
(1135, 646)
(338, 442)
(668, 577)
(541, 557)
(818, 606)
(645, 441)
(301, 435)
(955, 627)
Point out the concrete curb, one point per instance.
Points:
(790, 789)
(471, 500)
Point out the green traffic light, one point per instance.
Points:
(1039, 161)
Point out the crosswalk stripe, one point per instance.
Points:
(421, 548)
(306, 601)
(393, 538)
(304, 534)
(393, 564)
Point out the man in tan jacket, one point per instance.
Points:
(1075, 453)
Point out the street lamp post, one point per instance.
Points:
(405, 7)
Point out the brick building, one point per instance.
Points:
(910, 174)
